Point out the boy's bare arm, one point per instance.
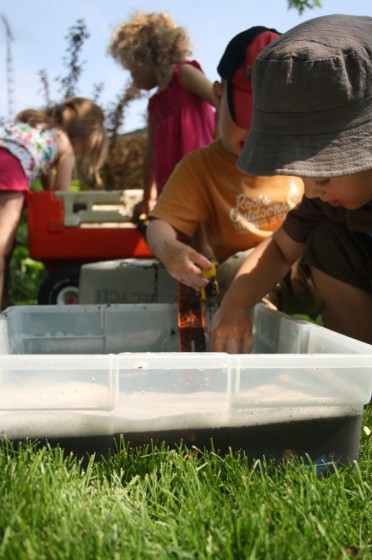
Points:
(231, 330)
(181, 260)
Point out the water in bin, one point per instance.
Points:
(170, 410)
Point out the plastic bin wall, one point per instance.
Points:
(86, 371)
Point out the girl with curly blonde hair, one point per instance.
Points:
(45, 144)
(180, 113)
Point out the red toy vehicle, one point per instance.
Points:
(68, 229)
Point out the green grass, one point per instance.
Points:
(145, 504)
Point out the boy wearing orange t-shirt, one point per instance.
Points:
(206, 188)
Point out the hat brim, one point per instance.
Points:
(324, 155)
(240, 105)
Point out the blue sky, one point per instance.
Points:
(39, 28)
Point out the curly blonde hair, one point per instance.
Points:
(149, 39)
(83, 122)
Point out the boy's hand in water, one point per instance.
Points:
(231, 331)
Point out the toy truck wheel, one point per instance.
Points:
(60, 287)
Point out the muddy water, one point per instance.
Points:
(323, 439)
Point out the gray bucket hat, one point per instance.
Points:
(312, 101)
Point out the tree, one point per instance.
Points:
(123, 165)
(301, 5)
(76, 37)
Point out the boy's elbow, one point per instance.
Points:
(153, 234)
(158, 233)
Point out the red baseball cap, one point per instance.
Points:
(236, 66)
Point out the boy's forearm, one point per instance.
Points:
(159, 235)
(257, 276)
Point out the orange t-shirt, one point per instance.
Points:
(238, 210)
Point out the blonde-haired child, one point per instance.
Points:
(180, 114)
(45, 144)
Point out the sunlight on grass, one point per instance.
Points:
(156, 503)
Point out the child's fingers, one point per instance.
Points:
(201, 262)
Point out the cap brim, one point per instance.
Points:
(240, 105)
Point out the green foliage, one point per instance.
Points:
(26, 275)
(302, 5)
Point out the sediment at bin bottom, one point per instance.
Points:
(328, 432)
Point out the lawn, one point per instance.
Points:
(183, 504)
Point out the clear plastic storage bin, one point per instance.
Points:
(83, 375)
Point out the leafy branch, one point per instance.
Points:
(76, 37)
(302, 5)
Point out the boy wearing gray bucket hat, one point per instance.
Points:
(206, 188)
(312, 117)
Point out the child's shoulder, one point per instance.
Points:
(185, 63)
(64, 145)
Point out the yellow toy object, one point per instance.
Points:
(212, 287)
